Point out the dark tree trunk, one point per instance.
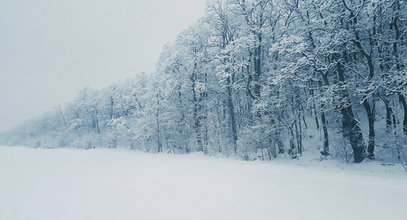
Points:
(352, 131)
(315, 114)
(257, 71)
(404, 103)
(325, 130)
(232, 114)
(325, 151)
(299, 135)
(369, 108)
(389, 114)
(291, 151)
(371, 119)
(350, 126)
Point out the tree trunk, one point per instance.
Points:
(158, 131)
(325, 152)
(404, 103)
(257, 71)
(350, 126)
(197, 111)
(352, 131)
(315, 113)
(389, 114)
(232, 114)
(371, 119)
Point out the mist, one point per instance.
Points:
(49, 49)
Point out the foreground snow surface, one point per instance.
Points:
(119, 184)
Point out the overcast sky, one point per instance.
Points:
(50, 49)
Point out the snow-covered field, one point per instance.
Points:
(119, 184)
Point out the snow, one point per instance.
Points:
(120, 184)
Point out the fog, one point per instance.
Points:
(50, 49)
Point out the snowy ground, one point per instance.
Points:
(41, 184)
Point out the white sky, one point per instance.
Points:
(50, 49)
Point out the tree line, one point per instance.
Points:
(257, 79)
